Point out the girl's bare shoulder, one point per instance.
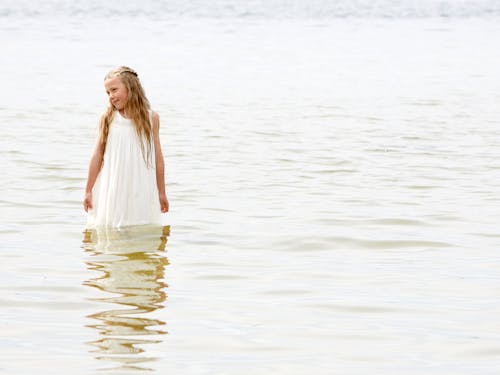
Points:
(156, 118)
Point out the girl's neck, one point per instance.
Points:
(123, 113)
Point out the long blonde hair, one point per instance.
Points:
(137, 109)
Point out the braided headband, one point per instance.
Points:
(128, 70)
(119, 71)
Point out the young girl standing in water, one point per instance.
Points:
(125, 184)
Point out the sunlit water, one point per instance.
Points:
(333, 178)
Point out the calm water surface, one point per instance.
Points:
(333, 177)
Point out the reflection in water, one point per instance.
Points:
(132, 263)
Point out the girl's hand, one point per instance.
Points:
(87, 202)
(163, 203)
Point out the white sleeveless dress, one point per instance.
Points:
(125, 192)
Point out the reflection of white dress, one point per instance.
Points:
(125, 192)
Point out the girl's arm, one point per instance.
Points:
(94, 168)
(160, 164)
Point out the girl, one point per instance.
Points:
(125, 184)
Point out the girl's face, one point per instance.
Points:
(117, 92)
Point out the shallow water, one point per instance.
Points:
(332, 180)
